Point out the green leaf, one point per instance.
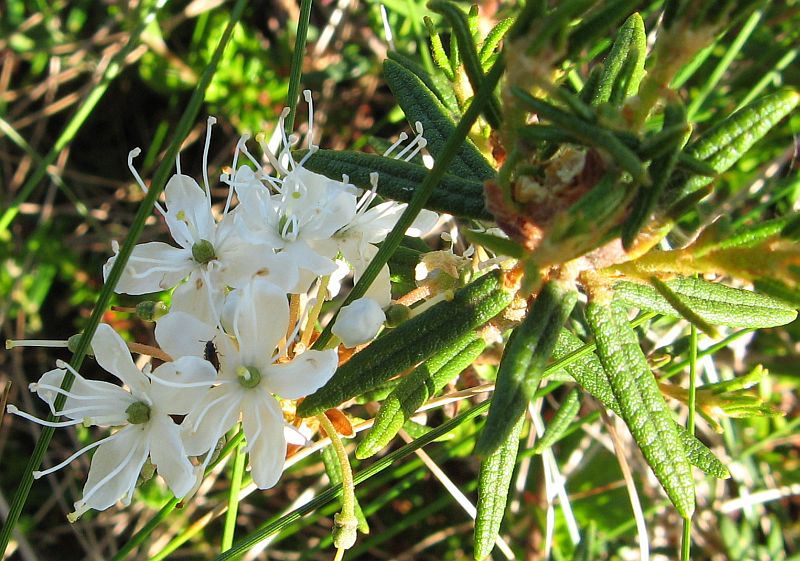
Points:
(469, 55)
(494, 481)
(399, 180)
(661, 169)
(442, 90)
(419, 104)
(493, 40)
(412, 342)
(560, 422)
(588, 371)
(496, 244)
(523, 363)
(416, 388)
(685, 311)
(715, 303)
(642, 406)
(723, 145)
(624, 66)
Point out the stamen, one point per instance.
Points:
(35, 386)
(38, 474)
(131, 155)
(14, 411)
(210, 121)
(311, 151)
(422, 143)
(182, 385)
(400, 139)
(310, 134)
(178, 163)
(387, 30)
(51, 343)
(295, 331)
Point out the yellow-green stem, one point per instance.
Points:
(687, 524)
(345, 523)
(322, 293)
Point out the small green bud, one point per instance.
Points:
(203, 252)
(150, 310)
(138, 413)
(72, 344)
(249, 376)
(397, 314)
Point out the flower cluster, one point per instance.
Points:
(234, 343)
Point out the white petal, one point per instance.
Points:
(188, 204)
(115, 468)
(263, 424)
(304, 375)
(381, 288)
(304, 257)
(181, 334)
(102, 403)
(210, 419)
(112, 354)
(169, 457)
(152, 267)
(194, 297)
(185, 370)
(260, 322)
(425, 221)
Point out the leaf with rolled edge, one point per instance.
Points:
(723, 145)
(641, 403)
(523, 362)
(588, 372)
(436, 84)
(412, 342)
(494, 481)
(560, 422)
(419, 104)
(495, 244)
(399, 179)
(416, 388)
(623, 68)
(714, 302)
(660, 169)
(469, 55)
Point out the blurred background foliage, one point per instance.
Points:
(55, 233)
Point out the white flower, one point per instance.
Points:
(210, 255)
(142, 411)
(252, 369)
(359, 322)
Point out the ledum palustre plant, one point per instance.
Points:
(587, 193)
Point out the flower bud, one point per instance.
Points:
(150, 310)
(359, 322)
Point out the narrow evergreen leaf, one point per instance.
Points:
(494, 482)
(399, 180)
(723, 145)
(495, 244)
(416, 388)
(685, 311)
(588, 372)
(412, 342)
(715, 303)
(419, 104)
(469, 55)
(623, 68)
(438, 87)
(560, 423)
(642, 406)
(661, 169)
(493, 40)
(523, 362)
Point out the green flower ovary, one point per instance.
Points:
(249, 376)
(138, 413)
(203, 252)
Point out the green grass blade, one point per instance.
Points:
(297, 63)
(237, 472)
